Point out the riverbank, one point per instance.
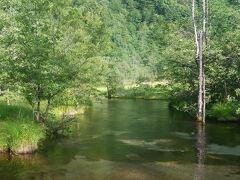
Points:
(132, 139)
(142, 91)
(228, 111)
(21, 134)
(219, 112)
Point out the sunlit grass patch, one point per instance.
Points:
(20, 136)
(144, 92)
(19, 133)
(61, 111)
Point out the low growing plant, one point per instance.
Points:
(20, 137)
(225, 111)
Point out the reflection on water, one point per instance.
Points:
(201, 152)
(133, 139)
(220, 149)
(156, 145)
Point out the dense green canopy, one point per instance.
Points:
(58, 48)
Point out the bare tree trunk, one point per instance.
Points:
(47, 109)
(204, 44)
(38, 104)
(38, 111)
(195, 29)
(200, 79)
(225, 90)
(205, 21)
(204, 95)
(201, 44)
(109, 93)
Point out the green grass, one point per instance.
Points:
(143, 92)
(15, 112)
(20, 136)
(67, 110)
(225, 111)
(18, 132)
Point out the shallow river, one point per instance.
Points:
(133, 139)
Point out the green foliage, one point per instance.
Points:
(54, 46)
(144, 91)
(56, 53)
(60, 127)
(228, 110)
(177, 61)
(183, 97)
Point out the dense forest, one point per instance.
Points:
(65, 53)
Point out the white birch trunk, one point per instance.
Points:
(195, 29)
(201, 45)
(200, 79)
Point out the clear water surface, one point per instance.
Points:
(133, 139)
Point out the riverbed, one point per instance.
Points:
(133, 139)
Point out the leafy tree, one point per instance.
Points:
(52, 49)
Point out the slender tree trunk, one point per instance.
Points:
(47, 109)
(204, 19)
(109, 93)
(204, 94)
(201, 45)
(204, 48)
(225, 90)
(38, 111)
(38, 104)
(206, 27)
(200, 80)
(195, 29)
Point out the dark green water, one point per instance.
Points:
(134, 139)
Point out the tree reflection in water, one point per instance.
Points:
(201, 152)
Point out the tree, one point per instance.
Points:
(54, 46)
(201, 44)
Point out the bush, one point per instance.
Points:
(60, 127)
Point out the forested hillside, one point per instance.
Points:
(161, 40)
